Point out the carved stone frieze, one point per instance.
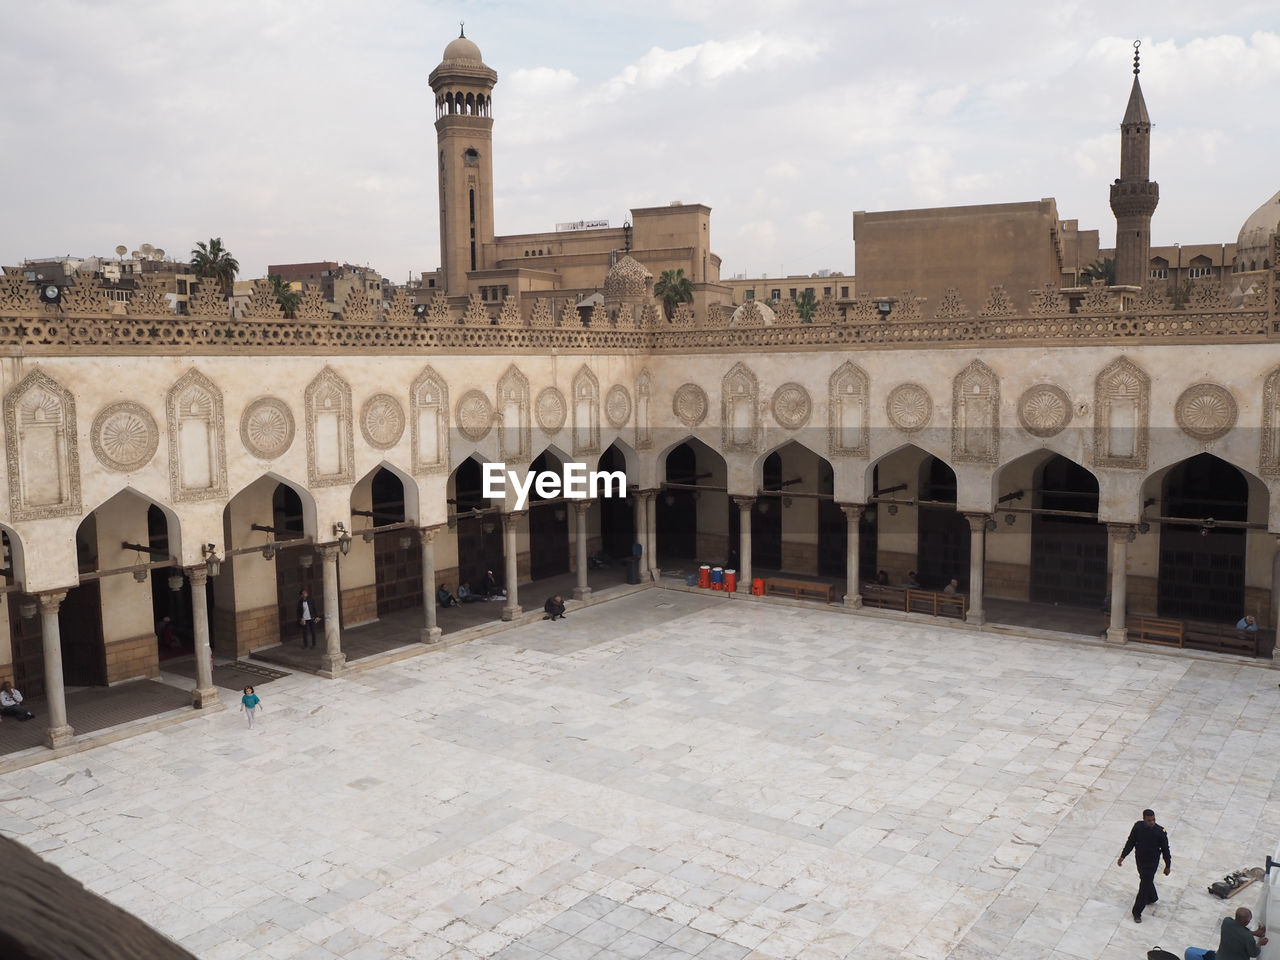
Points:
(1099, 299)
(791, 406)
(1205, 411)
(862, 310)
(429, 422)
(998, 304)
(263, 304)
(826, 312)
(477, 314)
(515, 413)
(124, 436)
(644, 388)
(909, 406)
(908, 307)
(952, 306)
(438, 310)
(84, 299)
(356, 308)
(1269, 453)
(330, 430)
(267, 428)
(975, 415)
(1044, 410)
(848, 409)
(785, 313)
(570, 318)
(509, 315)
(651, 318)
(551, 410)
(599, 317)
(749, 315)
(1122, 396)
(197, 439)
(399, 310)
(17, 296)
(1154, 298)
(41, 450)
(149, 300)
(683, 317)
(542, 317)
(209, 302)
(617, 406)
(689, 404)
(586, 412)
(475, 415)
(739, 409)
(1208, 294)
(1048, 301)
(382, 421)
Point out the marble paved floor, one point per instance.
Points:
(671, 775)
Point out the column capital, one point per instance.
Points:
(1121, 532)
(852, 511)
(198, 575)
(745, 503)
(427, 535)
(510, 518)
(977, 522)
(328, 552)
(51, 600)
(581, 507)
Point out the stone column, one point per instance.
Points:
(580, 510)
(427, 539)
(853, 578)
(744, 542)
(511, 609)
(59, 733)
(333, 659)
(651, 531)
(641, 510)
(977, 558)
(1119, 534)
(205, 694)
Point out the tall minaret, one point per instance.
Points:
(463, 86)
(1133, 196)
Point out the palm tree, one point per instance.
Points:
(673, 287)
(806, 305)
(289, 298)
(214, 260)
(1103, 269)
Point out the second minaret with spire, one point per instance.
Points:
(1133, 195)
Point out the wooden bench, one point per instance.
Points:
(937, 604)
(799, 589)
(879, 595)
(1222, 637)
(1162, 630)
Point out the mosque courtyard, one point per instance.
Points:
(673, 775)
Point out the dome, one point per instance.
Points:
(626, 279)
(753, 313)
(1253, 246)
(462, 49)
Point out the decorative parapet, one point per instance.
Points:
(999, 303)
(399, 310)
(952, 306)
(149, 300)
(263, 304)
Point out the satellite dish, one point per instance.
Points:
(135, 255)
(159, 253)
(121, 250)
(147, 249)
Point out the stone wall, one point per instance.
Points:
(132, 658)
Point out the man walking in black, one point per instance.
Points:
(1149, 843)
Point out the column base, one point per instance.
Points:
(1117, 635)
(853, 601)
(430, 635)
(655, 574)
(975, 618)
(331, 665)
(511, 611)
(202, 697)
(55, 737)
(582, 593)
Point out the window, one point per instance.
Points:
(504, 291)
(775, 295)
(809, 291)
(431, 283)
(1195, 273)
(484, 293)
(826, 291)
(1159, 273)
(793, 293)
(751, 294)
(844, 293)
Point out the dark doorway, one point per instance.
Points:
(766, 518)
(677, 519)
(397, 556)
(297, 569)
(480, 546)
(1202, 565)
(1068, 554)
(27, 646)
(165, 601)
(80, 623)
(548, 527)
(833, 527)
(617, 515)
(942, 540)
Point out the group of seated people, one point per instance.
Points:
(489, 591)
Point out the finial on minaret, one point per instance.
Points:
(1136, 67)
(462, 32)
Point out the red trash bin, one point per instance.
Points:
(704, 576)
(757, 587)
(731, 581)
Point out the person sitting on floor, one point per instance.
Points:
(491, 589)
(444, 597)
(882, 578)
(912, 582)
(1245, 626)
(465, 595)
(11, 703)
(554, 607)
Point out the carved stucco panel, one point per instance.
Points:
(1044, 410)
(617, 406)
(1205, 411)
(739, 409)
(475, 415)
(382, 421)
(267, 428)
(644, 430)
(515, 413)
(689, 404)
(586, 412)
(197, 439)
(791, 406)
(1122, 396)
(330, 437)
(909, 407)
(848, 412)
(429, 422)
(124, 436)
(975, 415)
(1269, 454)
(41, 449)
(551, 410)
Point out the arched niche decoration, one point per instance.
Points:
(429, 421)
(330, 443)
(1122, 398)
(644, 429)
(975, 415)
(41, 449)
(197, 439)
(848, 411)
(739, 410)
(586, 412)
(515, 417)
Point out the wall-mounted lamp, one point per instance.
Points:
(176, 581)
(1144, 527)
(1010, 519)
(893, 509)
(991, 524)
(367, 534)
(269, 550)
(762, 507)
(786, 501)
(406, 541)
(669, 499)
(489, 526)
(140, 574)
(344, 540)
(560, 514)
(28, 608)
(306, 560)
(212, 562)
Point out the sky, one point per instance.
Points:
(303, 130)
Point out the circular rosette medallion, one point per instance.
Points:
(909, 407)
(1044, 410)
(1205, 411)
(266, 428)
(617, 405)
(475, 415)
(791, 406)
(382, 421)
(124, 437)
(690, 404)
(550, 409)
